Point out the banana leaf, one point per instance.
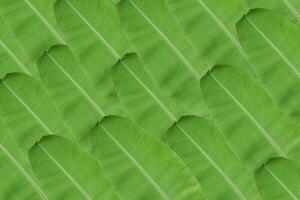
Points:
(18, 180)
(78, 173)
(201, 145)
(162, 46)
(72, 92)
(27, 111)
(144, 101)
(93, 33)
(252, 123)
(13, 58)
(40, 31)
(210, 27)
(123, 148)
(287, 8)
(277, 62)
(279, 179)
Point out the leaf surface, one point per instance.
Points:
(150, 107)
(27, 111)
(279, 179)
(210, 27)
(77, 172)
(277, 62)
(123, 148)
(251, 122)
(18, 181)
(40, 31)
(13, 58)
(93, 33)
(159, 41)
(287, 8)
(71, 91)
(202, 147)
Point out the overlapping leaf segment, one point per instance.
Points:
(140, 99)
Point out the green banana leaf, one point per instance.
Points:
(66, 171)
(13, 58)
(279, 179)
(277, 63)
(144, 101)
(72, 92)
(252, 123)
(27, 111)
(18, 181)
(202, 147)
(287, 8)
(139, 166)
(168, 57)
(93, 33)
(40, 31)
(210, 26)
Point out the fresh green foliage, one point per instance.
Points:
(149, 99)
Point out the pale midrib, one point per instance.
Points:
(273, 46)
(256, 123)
(282, 184)
(45, 127)
(41, 17)
(81, 90)
(165, 38)
(224, 28)
(102, 39)
(139, 167)
(64, 171)
(156, 99)
(24, 173)
(215, 165)
(293, 10)
(15, 58)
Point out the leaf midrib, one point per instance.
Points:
(214, 164)
(80, 89)
(65, 172)
(15, 58)
(35, 116)
(183, 59)
(275, 48)
(252, 118)
(24, 173)
(137, 164)
(47, 24)
(293, 10)
(281, 183)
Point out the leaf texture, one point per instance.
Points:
(287, 8)
(77, 172)
(40, 31)
(279, 179)
(278, 56)
(202, 147)
(210, 26)
(71, 91)
(27, 111)
(150, 107)
(123, 148)
(93, 33)
(172, 62)
(13, 58)
(15, 171)
(251, 122)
